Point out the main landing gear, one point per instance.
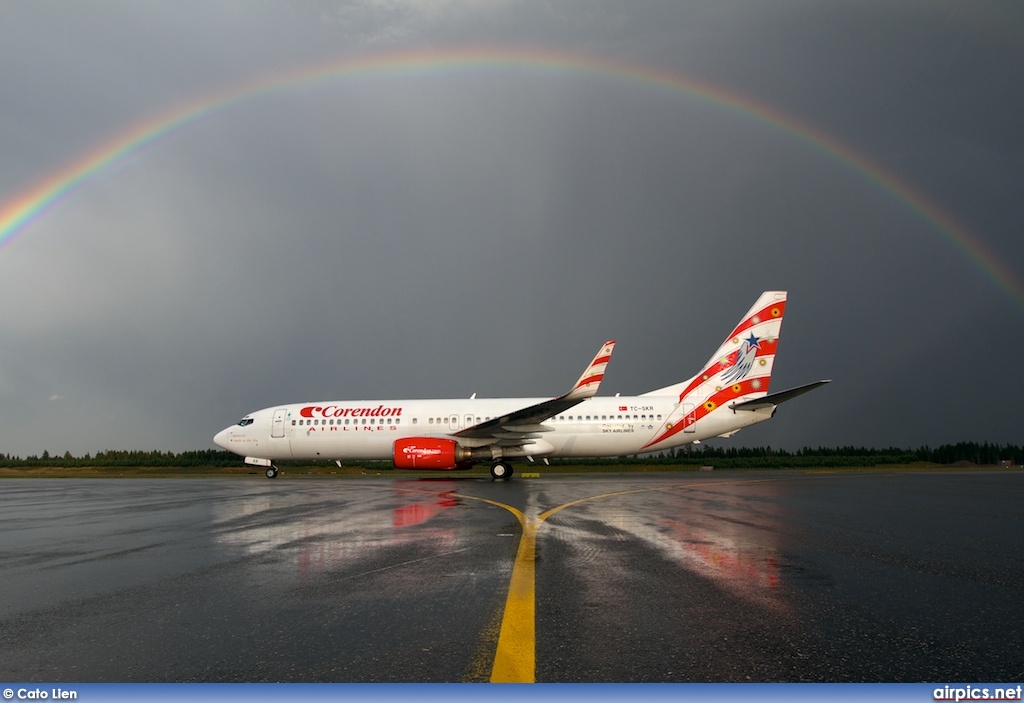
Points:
(501, 469)
(271, 472)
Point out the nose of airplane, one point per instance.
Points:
(221, 438)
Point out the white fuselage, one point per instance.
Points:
(729, 393)
(367, 430)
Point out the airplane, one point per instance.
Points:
(729, 393)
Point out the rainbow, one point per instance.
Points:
(17, 215)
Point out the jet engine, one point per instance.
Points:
(430, 453)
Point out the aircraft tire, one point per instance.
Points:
(272, 472)
(501, 469)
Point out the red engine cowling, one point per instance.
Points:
(429, 453)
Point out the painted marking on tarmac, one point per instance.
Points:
(515, 657)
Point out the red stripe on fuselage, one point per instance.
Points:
(747, 386)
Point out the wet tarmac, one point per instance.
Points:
(721, 576)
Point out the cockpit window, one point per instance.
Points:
(246, 421)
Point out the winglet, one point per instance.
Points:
(590, 381)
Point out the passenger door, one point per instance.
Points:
(277, 425)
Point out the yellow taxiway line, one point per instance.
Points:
(515, 657)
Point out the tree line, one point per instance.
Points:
(204, 458)
(976, 453)
(979, 453)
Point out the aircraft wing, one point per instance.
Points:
(773, 399)
(516, 427)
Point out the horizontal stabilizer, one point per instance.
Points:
(774, 399)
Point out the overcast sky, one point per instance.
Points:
(439, 230)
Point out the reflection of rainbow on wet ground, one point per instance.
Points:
(739, 566)
(694, 525)
(733, 543)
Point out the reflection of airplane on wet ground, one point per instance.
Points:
(729, 393)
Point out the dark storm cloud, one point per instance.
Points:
(436, 233)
